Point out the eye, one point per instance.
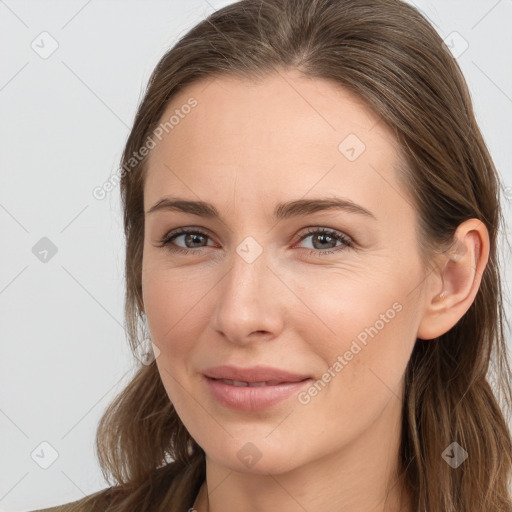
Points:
(325, 238)
(190, 237)
(322, 238)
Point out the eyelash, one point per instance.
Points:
(337, 235)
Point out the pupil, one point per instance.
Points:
(324, 236)
(192, 236)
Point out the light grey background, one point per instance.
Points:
(65, 119)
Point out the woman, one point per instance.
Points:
(326, 344)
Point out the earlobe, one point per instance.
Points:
(461, 270)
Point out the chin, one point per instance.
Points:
(258, 458)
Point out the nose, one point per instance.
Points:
(250, 302)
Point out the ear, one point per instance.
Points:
(453, 287)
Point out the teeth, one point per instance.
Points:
(240, 383)
(237, 383)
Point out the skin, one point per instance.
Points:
(245, 147)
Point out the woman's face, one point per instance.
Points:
(277, 279)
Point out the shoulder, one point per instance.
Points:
(154, 489)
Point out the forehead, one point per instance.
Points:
(284, 134)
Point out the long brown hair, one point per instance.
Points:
(392, 58)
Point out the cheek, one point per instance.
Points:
(178, 309)
(364, 361)
(363, 328)
(176, 313)
(173, 296)
(170, 304)
(166, 313)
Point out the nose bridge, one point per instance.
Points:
(246, 279)
(246, 300)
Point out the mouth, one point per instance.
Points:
(252, 396)
(256, 384)
(255, 375)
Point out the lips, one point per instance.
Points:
(253, 376)
(252, 389)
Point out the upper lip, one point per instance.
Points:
(253, 374)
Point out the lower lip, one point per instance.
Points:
(252, 398)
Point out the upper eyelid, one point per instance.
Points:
(205, 231)
(184, 231)
(310, 230)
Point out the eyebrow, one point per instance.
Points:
(282, 210)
